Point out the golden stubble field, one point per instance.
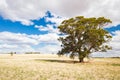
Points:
(52, 67)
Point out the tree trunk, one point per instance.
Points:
(81, 57)
(81, 60)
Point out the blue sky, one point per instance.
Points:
(17, 27)
(32, 25)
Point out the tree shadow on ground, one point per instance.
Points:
(58, 61)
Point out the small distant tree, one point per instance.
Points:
(11, 53)
(82, 36)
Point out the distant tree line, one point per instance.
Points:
(32, 53)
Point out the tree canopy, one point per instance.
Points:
(83, 36)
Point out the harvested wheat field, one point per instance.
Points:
(52, 67)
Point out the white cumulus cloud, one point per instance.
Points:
(27, 10)
(116, 41)
(16, 38)
(49, 49)
(24, 43)
(49, 28)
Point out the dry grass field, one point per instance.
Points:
(52, 67)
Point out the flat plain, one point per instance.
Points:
(52, 67)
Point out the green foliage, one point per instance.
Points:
(84, 36)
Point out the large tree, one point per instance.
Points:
(82, 36)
